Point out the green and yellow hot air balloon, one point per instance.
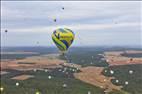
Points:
(63, 38)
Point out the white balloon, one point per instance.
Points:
(130, 72)
(1, 88)
(17, 84)
(126, 83)
(89, 92)
(64, 85)
(117, 81)
(111, 71)
(49, 77)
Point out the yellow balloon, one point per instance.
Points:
(63, 38)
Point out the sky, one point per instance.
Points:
(95, 23)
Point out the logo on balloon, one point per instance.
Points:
(63, 38)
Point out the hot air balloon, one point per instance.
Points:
(63, 8)
(55, 20)
(63, 38)
(6, 31)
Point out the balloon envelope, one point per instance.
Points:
(6, 31)
(63, 8)
(63, 38)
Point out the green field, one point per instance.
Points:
(83, 56)
(44, 85)
(122, 74)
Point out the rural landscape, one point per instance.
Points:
(94, 70)
(71, 47)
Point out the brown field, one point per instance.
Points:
(3, 72)
(22, 77)
(92, 75)
(18, 52)
(115, 58)
(36, 62)
(30, 63)
(133, 51)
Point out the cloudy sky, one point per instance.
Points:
(95, 23)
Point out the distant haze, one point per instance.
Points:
(95, 23)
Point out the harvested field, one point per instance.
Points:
(36, 62)
(92, 75)
(22, 77)
(132, 51)
(30, 63)
(19, 52)
(3, 72)
(115, 58)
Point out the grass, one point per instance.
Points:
(122, 74)
(44, 85)
(82, 56)
(87, 58)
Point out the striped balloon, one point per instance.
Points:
(63, 38)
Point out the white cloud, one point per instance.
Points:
(73, 10)
(76, 27)
(85, 18)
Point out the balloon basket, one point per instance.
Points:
(62, 53)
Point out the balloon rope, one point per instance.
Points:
(64, 56)
(67, 59)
